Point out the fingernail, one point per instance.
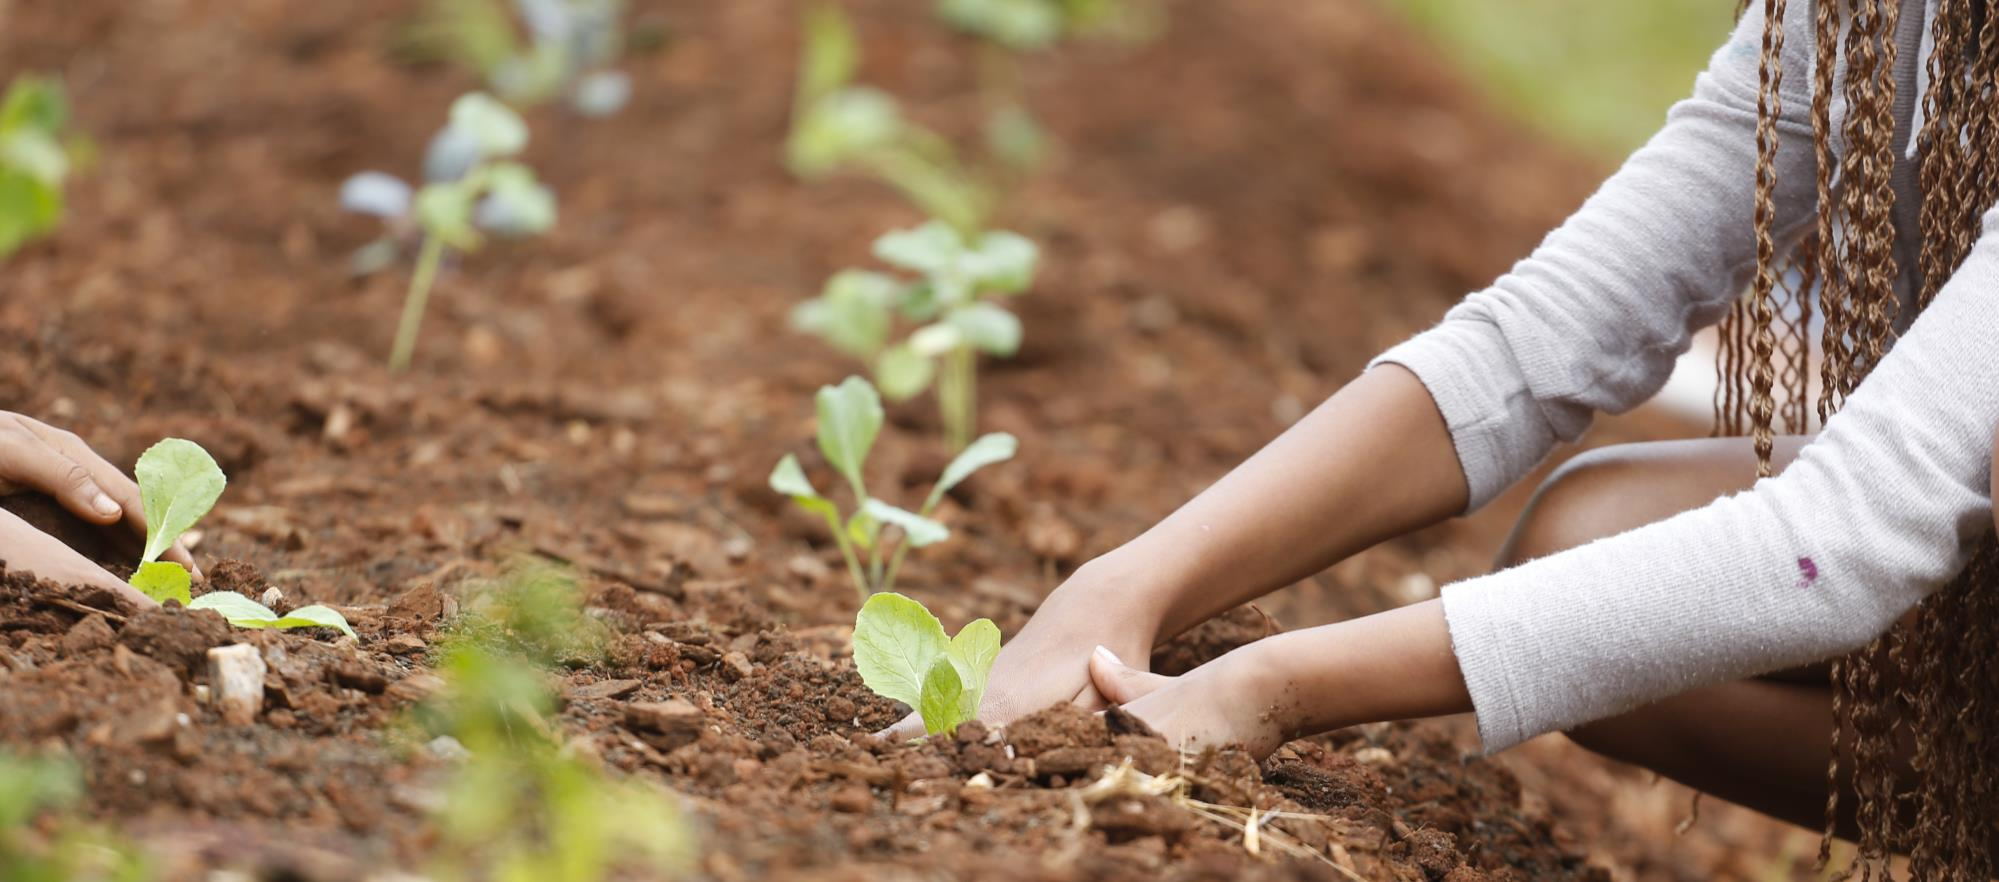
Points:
(105, 505)
(1109, 656)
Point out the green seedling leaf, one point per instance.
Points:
(841, 126)
(317, 616)
(246, 613)
(162, 581)
(942, 701)
(917, 529)
(445, 211)
(988, 449)
(987, 327)
(931, 341)
(496, 128)
(516, 204)
(863, 528)
(903, 372)
(853, 312)
(930, 249)
(1017, 24)
(178, 483)
(789, 479)
(34, 102)
(36, 153)
(1003, 262)
(850, 416)
(896, 642)
(973, 652)
(238, 610)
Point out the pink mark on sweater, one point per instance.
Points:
(1808, 572)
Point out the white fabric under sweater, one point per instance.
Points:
(1883, 508)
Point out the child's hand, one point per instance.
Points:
(1229, 701)
(35, 457)
(1048, 662)
(25, 548)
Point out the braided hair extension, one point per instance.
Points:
(1931, 680)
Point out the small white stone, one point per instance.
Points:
(445, 747)
(236, 679)
(273, 597)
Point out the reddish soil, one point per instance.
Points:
(1243, 212)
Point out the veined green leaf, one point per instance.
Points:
(988, 327)
(917, 529)
(850, 417)
(178, 483)
(316, 616)
(239, 610)
(973, 651)
(853, 312)
(988, 449)
(163, 580)
(942, 700)
(896, 642)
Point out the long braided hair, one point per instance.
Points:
(1932, 681)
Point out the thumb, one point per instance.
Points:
(1118, 682)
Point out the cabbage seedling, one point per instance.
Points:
(37, 152)
(903, 654)
(956, 296)
(569, 48)
(850, 417)
(472, 187)
(836, 125)
(178, 483)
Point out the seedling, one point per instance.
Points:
(471, 187)
(850, 417)
(523, 805)
(178, 483)
(567, 52)
(41, 838)
(37, 153)
(1024, 25)
(902, 653)
(955, 296)
(836, 125)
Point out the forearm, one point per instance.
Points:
(1394, 665)
(1372, 462)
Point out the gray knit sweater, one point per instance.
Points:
(1881, 509)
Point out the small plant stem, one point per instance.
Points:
(895, 566)
(957, 401)
(413, 304)
(853, 562)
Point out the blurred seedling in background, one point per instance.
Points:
(471, 187)
(41, 840)
(903, 654)
(956, 297)
(522, 804)
(543, 50)
(837, 126)
(178, 483)
(38, 150)
(850, 418)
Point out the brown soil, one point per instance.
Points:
(1243, 211)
